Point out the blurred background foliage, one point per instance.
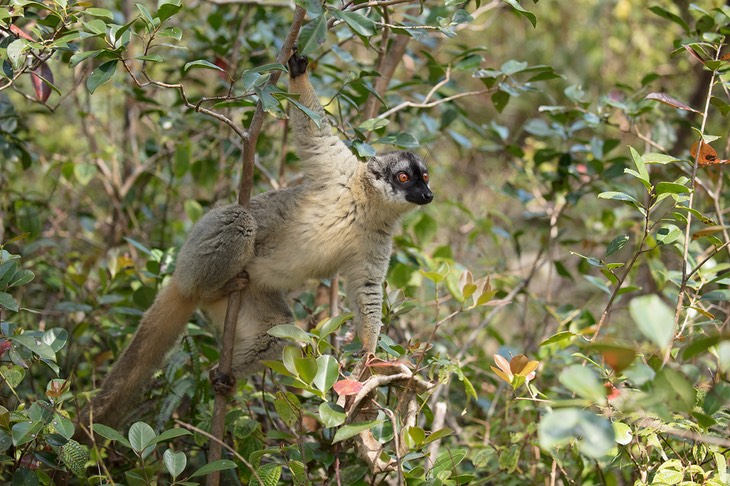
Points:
(567, 290)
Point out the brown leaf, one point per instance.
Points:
(42, 78)
(19, 32)
(694, 54)
(708, 155)
(666, 99)
(347, 387)
(518, 363)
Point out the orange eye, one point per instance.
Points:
(425, 177)
(403, 178)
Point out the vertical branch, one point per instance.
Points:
(235, 298)
(688, 230)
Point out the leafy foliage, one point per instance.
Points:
(560, 312)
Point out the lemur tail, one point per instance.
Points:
(158, 331)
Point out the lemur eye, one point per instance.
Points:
(403, 177)
(425, 177)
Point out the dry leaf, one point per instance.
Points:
(708, 155)
(668, 100)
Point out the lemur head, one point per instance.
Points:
(401, 178)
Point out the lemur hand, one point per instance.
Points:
(297, 64)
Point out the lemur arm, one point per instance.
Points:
(320, 151)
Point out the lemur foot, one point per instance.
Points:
(297, 64)
(237, 283)
(223, 384)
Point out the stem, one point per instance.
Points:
(235, 298)
(687, 230)
(623, 277)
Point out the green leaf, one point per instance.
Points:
(290, 331)
(556, 338)
(671, 188)
(16, 52)
(448, 460)
(170, 434)
(622, 432)
(146, 15)
(655, 158)
(332, 324)
(99, 12)
(141, 435)
(331, 414)
(35, 345)
(175, 462)
(351, 430)
(12, 374)
(528, 15)
(359, 24)
(7, 301)
(313, 35)
(220, 465)
(438, 434)
(288, 407)
(306, 368)
(171, 32)
(111, 434)
(24, 432)
(654, 319)
(55, 338)
(74, 456)
(717, 295)
(582, 381)
(640, 166)
(21, 277)
(616, 244)
(101, 75)
(500, 100)
(594, 435)
(670, 16)
(269, 475)
(202, 64)
(168, 8)
(717, 398)
(328, 369)
(313, 115)
(617, 196)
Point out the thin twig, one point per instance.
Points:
(690, 202)
(411, 104)
(230, 449)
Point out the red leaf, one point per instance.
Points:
(347, 387)
(694, 54)
(4, 346)
(42, 78)
(666, 99)
(19, 32)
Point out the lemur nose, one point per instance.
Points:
(428, 197)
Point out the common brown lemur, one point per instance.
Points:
(340, 219)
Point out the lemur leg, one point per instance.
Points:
(211, 263)
(260, 311)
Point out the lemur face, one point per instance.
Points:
(402, 177)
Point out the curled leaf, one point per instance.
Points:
(668, 100)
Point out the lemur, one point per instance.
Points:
(340, 219)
